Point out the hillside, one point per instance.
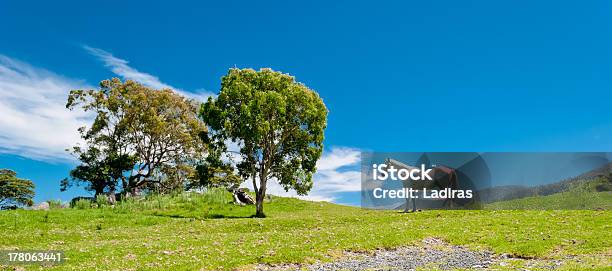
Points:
(593, 194)
(193, 232)
(597, 180)
(564, 200)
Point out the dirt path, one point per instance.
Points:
(433, 254)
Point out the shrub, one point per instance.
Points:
(82, 204)
(102, 200)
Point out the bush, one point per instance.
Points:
(102, 200)
(82, 204)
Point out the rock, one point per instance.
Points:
(41, 206)
(241, 196)
(245, 197)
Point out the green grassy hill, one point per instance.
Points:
(564, 200)
(592, 194)
(194, 232)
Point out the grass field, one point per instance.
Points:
(193, 232)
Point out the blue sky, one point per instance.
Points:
(396, 76)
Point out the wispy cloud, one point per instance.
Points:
(34, 121)
(121, 68)
(338, 171)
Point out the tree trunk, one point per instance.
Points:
(259, 199)
(98, 191)
(261, 194)
(124, 183)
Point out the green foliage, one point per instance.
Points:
(141, 137)
(213, 172)
(99, 170)
(82, 204)
(14, 190)
(102, 200)
(278, 122)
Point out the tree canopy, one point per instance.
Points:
(278, 124)
(141, 138)
(13, 190)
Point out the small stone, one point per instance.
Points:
(41, 206)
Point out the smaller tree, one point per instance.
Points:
(13, 190)
(141, 138)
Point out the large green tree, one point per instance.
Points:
(14, 190)
(278, 124)
(140, 138)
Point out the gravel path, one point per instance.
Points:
(434, 254)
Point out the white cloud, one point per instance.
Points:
(120, 67)
(34, 121)
(338, 171)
